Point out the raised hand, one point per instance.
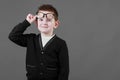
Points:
(31, 18)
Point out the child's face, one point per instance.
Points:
(46, 22)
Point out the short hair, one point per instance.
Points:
(48, 7)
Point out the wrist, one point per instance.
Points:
(26, 22)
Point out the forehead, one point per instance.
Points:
(45, 12)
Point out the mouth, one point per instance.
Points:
(44, 26)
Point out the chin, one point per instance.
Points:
(44, 32)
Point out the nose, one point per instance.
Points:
(44, 19)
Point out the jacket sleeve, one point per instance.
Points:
(17, 36)
(64, 63)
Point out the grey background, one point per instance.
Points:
(90, 27)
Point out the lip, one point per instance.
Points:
(44, 26)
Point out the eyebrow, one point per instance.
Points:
(45, 13)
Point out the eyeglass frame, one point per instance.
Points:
(45, 14)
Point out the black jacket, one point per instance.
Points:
(50, 61)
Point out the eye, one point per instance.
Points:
(49, 20)
(40, 19)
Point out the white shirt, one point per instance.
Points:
(45, 39)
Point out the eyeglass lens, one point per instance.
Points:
(48, 15)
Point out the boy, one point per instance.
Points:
(47, 54)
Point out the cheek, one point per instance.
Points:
(51, 23)
(38, 24)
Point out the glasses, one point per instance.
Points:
(49, 16)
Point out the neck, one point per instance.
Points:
(47, 34)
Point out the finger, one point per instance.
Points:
(35, 16)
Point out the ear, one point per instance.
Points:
(57, 24)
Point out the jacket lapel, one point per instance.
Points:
(47, 44)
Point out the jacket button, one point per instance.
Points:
(42, 52)
(41, 73)
(41, 63)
